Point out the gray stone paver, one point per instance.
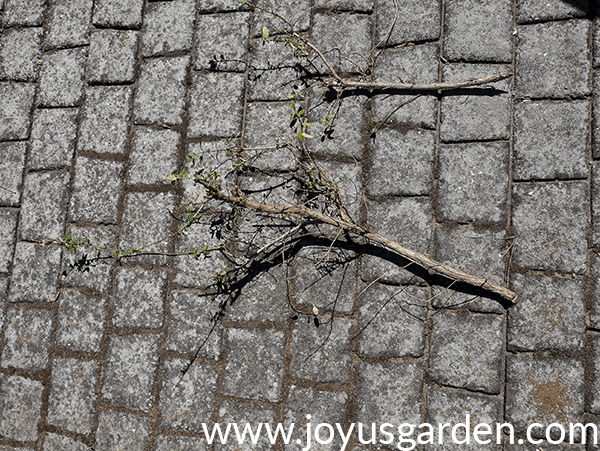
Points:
(100, 101)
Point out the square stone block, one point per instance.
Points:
(97, 274)
(221, 42)
(553, 60)
(390, 392)
(392, 321)
(73, 395)
(410, 64)
(193, 326)
(407, 221)
(323, 407)
(121, 431)
(550, 221)
(106, 113)
(21, 399)
(35, 273)
(186, 401)
(402, 163)
(478, 116)
(543, 390)
(322, 353)
(96, 189)
(348, 177)
(415, 21)
(12, 165)
(160, 97)
(24, 13)
(478, 30)
(139, 295)
(297, 13)
(168, 27)
(549, 316)
(53, 135)
(254, 368)
(81, 321)
(27, 339)
(8, 234)
(118, 13)
(467, 351)
(345, 40)
(131, 368)
(209, 117)
(55, 442)
(62, 78)
(533, 11)
(44, 209)
(551, 140)
(112, 56)
(68, 23)
(20, 49)
(476, 251)
(16, 100)
(153, 156)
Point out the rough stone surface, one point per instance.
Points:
(450, 406)
(415, 21)
(180, 443)
(344, 40)
(8, 233)
(20, 49)
(168, 27)
(221, 42)
(160, 96)
(532, 11)
(191, 327)
(73, 395)
(24, 13)
(550, 314)
(96, 189)
(153, 156)
(478, 30)
(138, 298)
(35, 273)
(406, 221)
(12, 164)
(144, 223)
(245, 380)
(22, 401)
(230, 412)
(324, 407)
(477, 251)
(595, 391)
(106, 113)
(389, 392)
(112, 56)
(27, 339)
(551, 140)
(121, 431)
(44, 206)
(297, 13)
(53, 134)
(480, 116)
(391, 321)
(118, 13)
(402, 163)
(223, 119)
(553, 60)
(62, 78)
(186, 401)
(97, 275)
(543, 390)
(466, 351)
(55, 442)
(595, 192)
(550, 220)
(325, 347)
(81, 321)
(16, 100)
(130, 371)
(68, 23)
(595, 272)
(411, 64)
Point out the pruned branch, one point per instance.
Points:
(300, 212)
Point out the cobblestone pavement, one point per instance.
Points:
(101, 99)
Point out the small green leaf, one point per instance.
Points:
(265, 33)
